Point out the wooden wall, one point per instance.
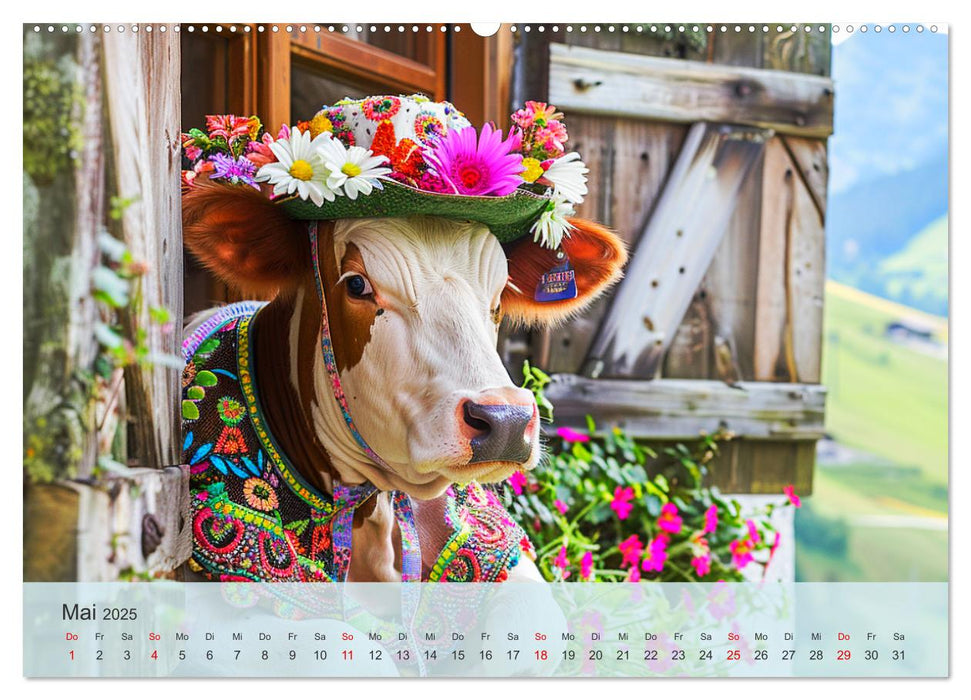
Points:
(755, 314)
(100, 499)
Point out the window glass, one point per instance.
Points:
(311, 89)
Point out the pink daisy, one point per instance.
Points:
(472, 164)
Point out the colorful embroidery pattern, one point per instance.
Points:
(486, 542)
(255, 519)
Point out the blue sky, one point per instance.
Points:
(891, 104)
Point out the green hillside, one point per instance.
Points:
(917, 275)
(882, 516)
(884, 397)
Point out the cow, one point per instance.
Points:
(413, 307)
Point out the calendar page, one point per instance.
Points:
(613, 350)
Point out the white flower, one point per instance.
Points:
(354, 169)
(552, 225)
(299, 168)
(567, 175)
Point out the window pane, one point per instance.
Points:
(311, 89)
(409, 43)
(205, 84)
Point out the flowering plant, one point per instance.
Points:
(349, 149)
(605, 508)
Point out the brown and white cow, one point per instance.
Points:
(414, 306)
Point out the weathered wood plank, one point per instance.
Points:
(641, 39)
(645, 87)
(809, 156)
(624, 186)
(563, 349)
(142, 77)
(730, 286)
(805, 274)
(674, 251)
(771, 307)
(682, 409)
(135, 525)
(690, 354)
(738, 48)
(798, 50)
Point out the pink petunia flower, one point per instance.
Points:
(472, 164)
(753, 533)
(658, 554)
(562, 563)
(586, 566)
(790, 492)
(517, 480)
(711, 518)
(669, 520)
(571, 435)
(631, 549)
(702, 564)
(742, 552)
(560, 506)
(621, 502)
(633, 574)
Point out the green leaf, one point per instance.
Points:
(207, 346)
(107, 336)
(189, 410)
(297, 526)
(195, 393)
(206, 378)
(159, 314)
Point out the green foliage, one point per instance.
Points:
(536, 381)
(50, 119)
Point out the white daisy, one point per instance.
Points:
(552, 225)
(354, 169)
(299, 168)
(567, 175)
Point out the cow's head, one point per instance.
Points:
(414, 306)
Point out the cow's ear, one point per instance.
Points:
(246, 240)
(596, 255)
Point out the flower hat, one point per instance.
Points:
(403, 155)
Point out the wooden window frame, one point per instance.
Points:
(344, 58)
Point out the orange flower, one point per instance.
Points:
(259, 494)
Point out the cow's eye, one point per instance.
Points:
(358, 286)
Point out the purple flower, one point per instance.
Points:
(238, 171)
(487, 165)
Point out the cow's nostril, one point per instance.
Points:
(502, 431)
(476, 422)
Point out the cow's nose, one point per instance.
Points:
(500, 431)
